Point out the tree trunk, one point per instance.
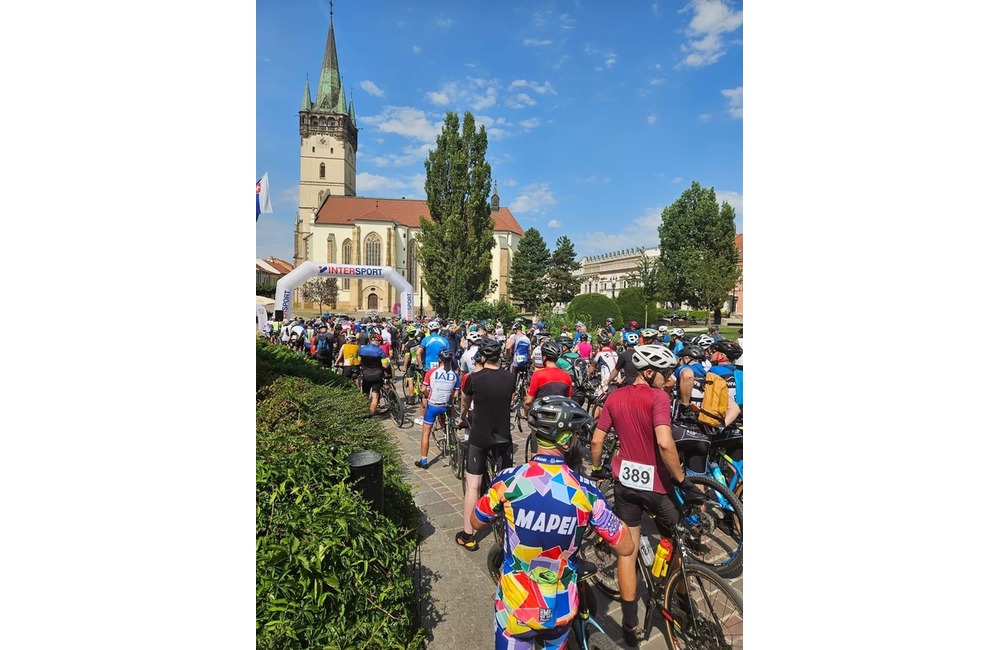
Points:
(717, 316)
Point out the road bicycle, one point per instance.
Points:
(494, 465)
(459, 453)
(713, 529)
(393, 404)
(414, 393)
(444, 431)
(702, 610)
(586, 633)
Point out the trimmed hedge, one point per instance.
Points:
(331, 572)
(593, 309)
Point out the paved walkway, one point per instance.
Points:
(456, 587)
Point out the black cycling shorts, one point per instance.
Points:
(368, 384)
(477, 457)
(631, 503)
(686, 431)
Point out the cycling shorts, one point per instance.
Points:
(432, 411)
(367, 385)
(477, 457)
(631, 503)
(688, 431)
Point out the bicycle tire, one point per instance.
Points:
(601, 641)
(494, 562)
(458, 468)
(717, 621)
(714, 532)
(452, 431)
(396, 408)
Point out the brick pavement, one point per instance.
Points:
(455, 585)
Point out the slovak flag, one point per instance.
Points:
(263, 196)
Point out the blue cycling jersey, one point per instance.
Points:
(433, 345)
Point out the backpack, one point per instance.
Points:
(580, 373)
(715, 402)
(322, 344)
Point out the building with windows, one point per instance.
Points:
(335, 225)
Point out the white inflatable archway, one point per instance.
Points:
(307, 270)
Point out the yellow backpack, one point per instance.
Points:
(716, 401)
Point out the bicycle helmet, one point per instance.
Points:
(609, 319)
(583, 337)
(490, 348)
(473, 337)
(692, 351)
(704, 341)
(630, 338)
(445, 357)
(655, 357)
(634, 325)
(649, 334)
(603, 339)
(434, 326)
(663, 329)
(555, 419)
(566, 342)
(352, 337)
(551, 350)
(731, 349)
(678, 332)
(411, 329)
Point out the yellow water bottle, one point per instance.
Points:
(664, 551)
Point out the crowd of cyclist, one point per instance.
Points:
(644, 383)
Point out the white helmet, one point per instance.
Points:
(434, 326)
(678, 332)
(703, 341)
(663, 329)
(473, 337)
(656, 357)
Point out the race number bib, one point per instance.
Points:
(636, 475)
(520, 358)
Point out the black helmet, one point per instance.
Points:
(731, 349)
(551, 350)
(692, 351)
(566, 342)
(583, 337)
(490, 348)
(445, 356)
(555, 419)
(603, 339)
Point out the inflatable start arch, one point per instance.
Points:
(307, 270)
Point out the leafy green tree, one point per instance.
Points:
(634, 306)
(562, 284)
(321, 290)
(526, 284)
(698, 249)
(593, 309)
(457, 240)
(265, 290)
(649, 276)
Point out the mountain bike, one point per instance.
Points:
(702, 610)
(414, 394)
(727, 471)
(444, 431)
(393, 405)
(459, 453)
(494, 465)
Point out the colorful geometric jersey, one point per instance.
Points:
(547, 508)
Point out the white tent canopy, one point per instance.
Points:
(266, 302)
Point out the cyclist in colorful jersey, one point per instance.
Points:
(411, 365)
(565, 360)
(536, 597)
(431, 346)
(440, 389)
(541, 336)
(492, 389)
(606, 359)
(583, 347)
(348, 357)
(645, 464)
(374, 370)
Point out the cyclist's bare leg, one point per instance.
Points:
(374, 400)
(472, 482)
(627, 579)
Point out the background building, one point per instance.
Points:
(335, 225)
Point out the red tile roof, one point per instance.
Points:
(345, 210)
(281, 265)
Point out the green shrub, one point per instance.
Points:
(593, 309)
(493, 311)
(634, 307)
(331, 571)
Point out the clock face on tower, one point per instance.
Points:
(323, 140)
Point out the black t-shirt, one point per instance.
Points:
(492, 391)
(626, 367)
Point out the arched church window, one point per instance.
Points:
(346, 259)
(373, 250)
(322, 170)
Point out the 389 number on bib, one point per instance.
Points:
(636, 475)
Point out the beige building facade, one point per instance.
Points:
(335, 225)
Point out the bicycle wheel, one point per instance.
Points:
(709, 615)
(458, 462)
(494, 562)
(395, 407)
(519, 419)
(713, 531)
(597, 551)
(601, 641)
(452, 432)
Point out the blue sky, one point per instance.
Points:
(598, 113)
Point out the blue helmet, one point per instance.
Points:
(630, 337)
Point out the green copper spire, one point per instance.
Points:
(329, 94)
(306, 98)
(350, 111)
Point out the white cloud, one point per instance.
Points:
(370, 88)
(735, 97)
(555, 224)
(496, 129)
(446, 95)
(412, 187)
(734, 199)
(656, 8)
(650, 119)
(416, 49)
(444, 23)
(405, 121)
(567, 22)
(480, 102)
(641, 231)
(520, 100)
(535, 42)
(704, 117)
(676, 179)
(409, 156)
(541, 89)
(656, 82)
(711, 19)
(534, 197)
(530, 123)
(608, 56)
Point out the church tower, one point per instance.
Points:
(328, 135)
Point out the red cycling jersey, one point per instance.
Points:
(634, 411)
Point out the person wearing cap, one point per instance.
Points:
(713, 331)
(609, 326)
